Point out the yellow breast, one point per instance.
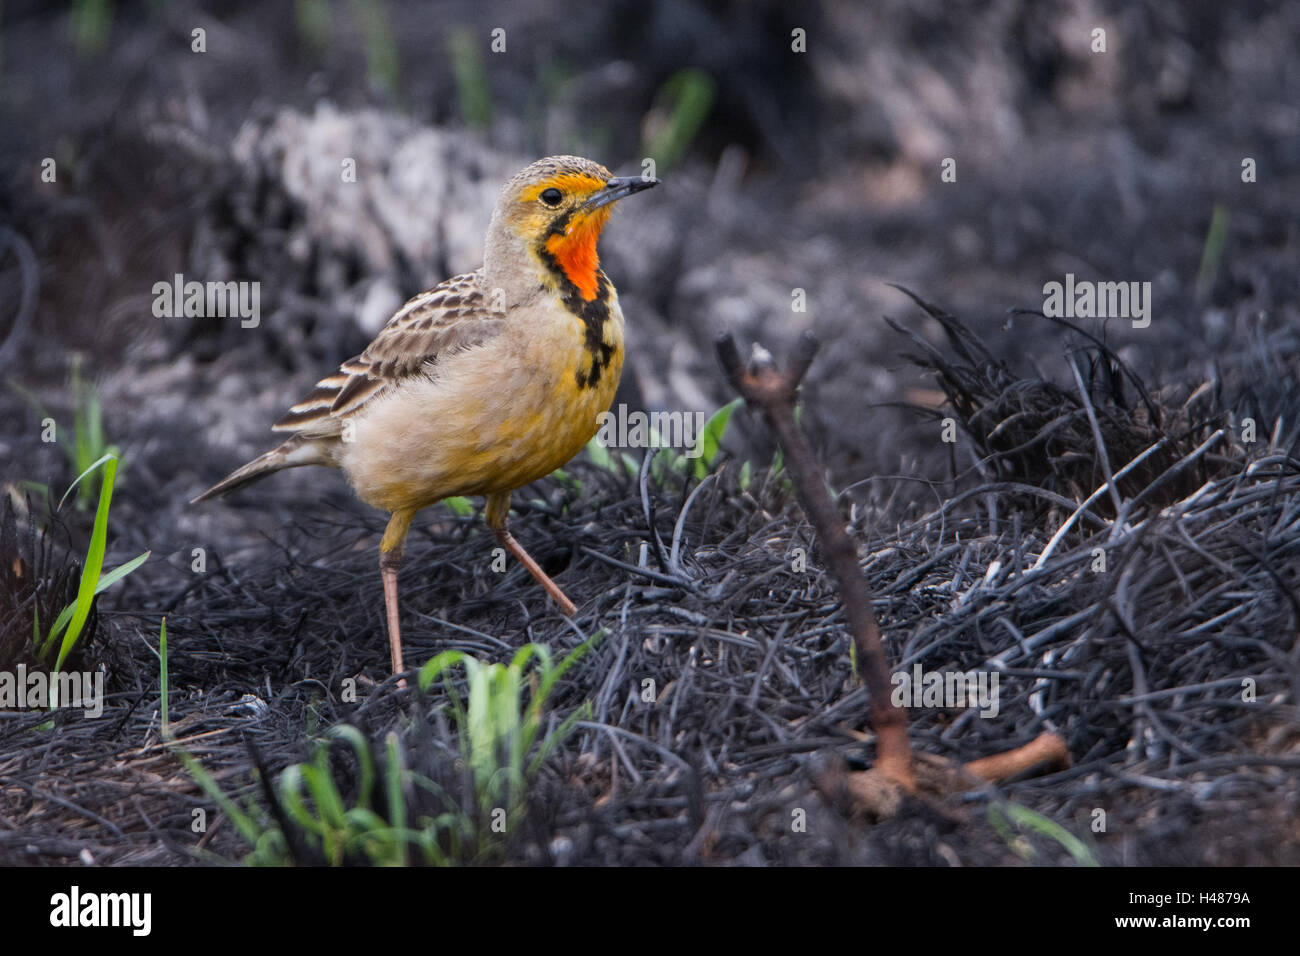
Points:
(489, 419)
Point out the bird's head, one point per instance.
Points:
(556, 208)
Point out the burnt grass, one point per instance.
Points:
(1140, 666)
(1104, 532)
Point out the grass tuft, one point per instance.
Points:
(396, 805)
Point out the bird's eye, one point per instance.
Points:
(551, 196)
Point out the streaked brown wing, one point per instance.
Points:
(448, 318)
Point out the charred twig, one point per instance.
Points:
(876, 792)
(773, 393)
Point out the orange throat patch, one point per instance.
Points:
(574, 250)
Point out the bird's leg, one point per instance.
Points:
(390, 559)
(497, 513)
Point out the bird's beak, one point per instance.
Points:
(616, 189)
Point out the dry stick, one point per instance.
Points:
(774, 394)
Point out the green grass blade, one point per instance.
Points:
(600, 456)
(710, 440)
(325, 792)
(470, 75)
(162, 678)
(365, 760)
(121, 571)
(382, 61)
(248, 828)
(60, 623)
(1023, 816)
(557, 737)
(94, 564)
(1212, 252)
(575, 655)
(291, 782)
(683, 103)
(106, 457)
(460, 507)
(94, 421)
(434, 667)
(92, 23)
(396, 792)
(312, 19)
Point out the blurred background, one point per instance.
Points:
(801, 146)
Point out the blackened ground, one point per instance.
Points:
(1140, 668)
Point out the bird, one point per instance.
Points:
(487, 382)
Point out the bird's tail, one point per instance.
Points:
(291, 454)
